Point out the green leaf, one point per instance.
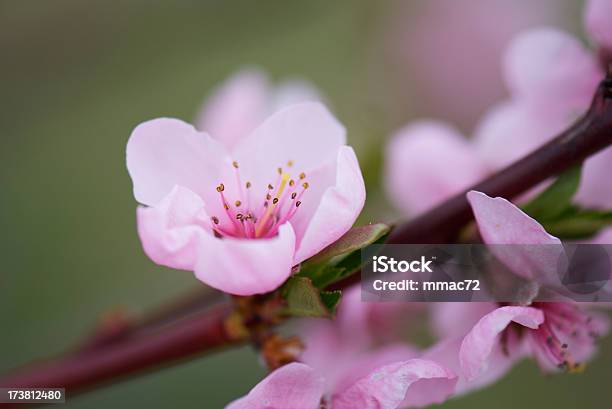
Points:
(355, 239)
(331, 299)
(342, 258)
(553, 201)
(577, 223)
(305, 300)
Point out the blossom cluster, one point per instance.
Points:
(265, 180)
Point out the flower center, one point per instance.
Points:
(252, 219)
(565, 326)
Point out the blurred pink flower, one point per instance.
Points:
(362, 338)
(452, 50)
(245, 100)
(298, 386)
(427, 162)
(551, 77)
(240, 219)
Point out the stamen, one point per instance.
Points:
(264, 220)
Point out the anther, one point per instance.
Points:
(305, 185)
(239, 216)
(215, 219)
(270, 187)
(248, 185)
(275, 200)
(235, 164)
(279, 170)
(220, 188)
(238, 203)
(291, 182)
(293, 195)
(298, 203)
(268, 196)
(290, 163)
(302, 175)
(225, 206)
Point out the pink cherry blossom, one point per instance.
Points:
(245, 100)
(363, 338)
(299, 386)
(557, 335)
(428, 161)
(241, 219)
(551, 77)
(452, 52)
(357, 329)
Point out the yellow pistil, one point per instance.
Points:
(284, 179)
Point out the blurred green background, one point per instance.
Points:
(76, 77)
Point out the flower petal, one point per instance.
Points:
(479, 343)
(446, 352)
(243, 266)
(164, 152)
(511, 130)
(294, 91)
(387, 387)
(359, 365)
(501, 222)
(456, 319)
(236, 108)
(336, 211)
(306, 134)
(539, 60)
(597, 22)
(428, 162)
(293, 386)
(171, 231)
(594, 190)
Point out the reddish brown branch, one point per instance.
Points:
(83, 369)
(151, 346)
(588, 135)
